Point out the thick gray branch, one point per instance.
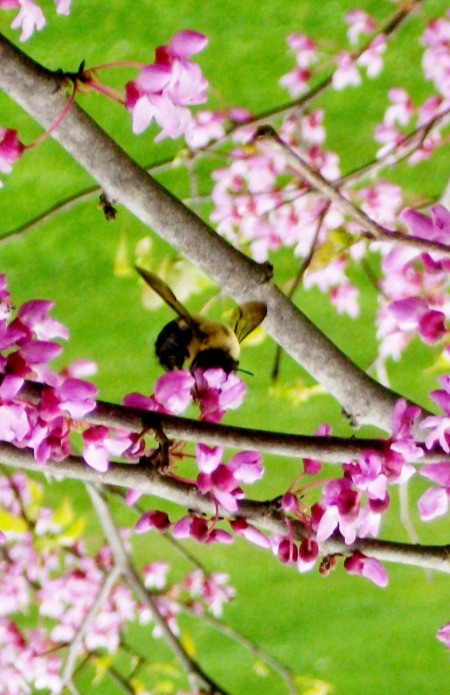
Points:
(261, 514)
(41, 93)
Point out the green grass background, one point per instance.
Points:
(342, 629)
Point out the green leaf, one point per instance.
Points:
(9, 523)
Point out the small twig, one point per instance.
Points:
(374, 231)
(196, 676)
(251, 646)
(100, 599)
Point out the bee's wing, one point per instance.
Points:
(248, 317)
(164, 291)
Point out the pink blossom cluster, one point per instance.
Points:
(435, 501)
(199, 592)
(35, 569)
(164, 90)
(11, 149)
(436, 58)
(347, 73)
(400, 118)
(305, 53)
(222, 483)
(260, 205)
(414, 299)
(67, 597)
(212, 390)
(30, 17)
(26, 348)
(353, 504)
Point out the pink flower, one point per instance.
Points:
(222, 486)
(346, 74)
(305, 49)
(345, 299)
(368, 567)
(247, 467)
(443, 635)
(436, 59)
(153, 520)
(371, 58)
(99, 446)
(163, 90)
(401, 110)
(204, 127)
(435, 501)
(63, 6)
(436, 228)
(174, 391)
(440, 433)
(34, 315)
(339, 508)
(360, 23)
(403, 442)
(308, 553)
(414, 314)
(217, 392)
(29, 19)
(11, 149)
(296, 81)
(192, 526)
(155, 575)
(242, 528)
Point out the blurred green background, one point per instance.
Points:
(341, 630)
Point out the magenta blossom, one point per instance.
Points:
(163, 90)
(30, 19)
(440, 424)
(173, 394)
(242, 528)
(443, 635)
(359, 23)
(11, 149)
(153, 520)
(308, 553)
(198, 528)
(100, 445)
(216, 392)
(222, 481)
(435, 501)
(434, 228)
(368, 567)
(346, 73)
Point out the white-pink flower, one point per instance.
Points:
(346, 73)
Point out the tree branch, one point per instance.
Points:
(262, 514)
(331, 191)
(328, 449)
(196, 677)
(41, 93)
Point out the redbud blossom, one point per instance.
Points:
(153, 520)
(367, 567)
(443, 635)
(11, 149)
(163, 90)
(360, 23)
(435, 501)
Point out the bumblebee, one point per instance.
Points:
(203, 343)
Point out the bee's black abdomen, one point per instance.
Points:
(214, 358)
(172, 344)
